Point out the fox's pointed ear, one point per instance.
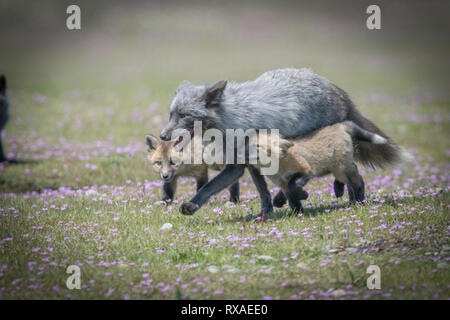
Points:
(2, 84)
(284, 146)
(213, 93)
(152, 142)
(183, 84)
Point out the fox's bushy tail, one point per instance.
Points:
(370, 153)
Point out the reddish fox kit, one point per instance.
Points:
(168, 163)
(325, 151)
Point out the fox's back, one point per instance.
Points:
(324, 149)
(295, 101)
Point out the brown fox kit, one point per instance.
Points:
(325, 151)
(168, 163)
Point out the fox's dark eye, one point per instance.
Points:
(158, 163)
(182, 115)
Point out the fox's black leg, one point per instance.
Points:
(201, 182)
(295, 204)
(295, 190)
(300, 180)
(2, 155)
(351, 193)
(355, 184)
(356, 192)
(234, 192)
(294, 201)
(297, 182)
(279, 200)
(168, 191)
(361, 192)
(338, 188)
(230, 174)
(295, 193)
(261, 186)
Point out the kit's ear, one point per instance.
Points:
(213, 94)
(2, 84)
(284, 146)
(152, 142)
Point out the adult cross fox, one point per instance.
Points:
(294, 101)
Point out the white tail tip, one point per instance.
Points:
(377, 139)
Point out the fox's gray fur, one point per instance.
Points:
(4, 112)
(294, 101)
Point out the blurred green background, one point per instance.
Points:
(157, 44)
(113, 79)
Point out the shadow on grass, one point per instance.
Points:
(27, 186)
(21, 161)
(19, 185)
(325, 209)
(287, 213)
(389, 201)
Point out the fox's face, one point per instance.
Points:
(192, 103)
(164, 159)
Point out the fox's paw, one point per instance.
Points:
(338, 188)
(189, 208)
(279, 200)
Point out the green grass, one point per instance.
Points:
(109, 85)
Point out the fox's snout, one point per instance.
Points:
(166, 176)
(165, 135)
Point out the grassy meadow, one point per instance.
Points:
(84, 193)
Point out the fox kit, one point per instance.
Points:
(325, 151)
(168, 163)
(4, 112)
(295, 101)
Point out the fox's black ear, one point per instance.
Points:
(2, 84)
(213, 93)
(152, 142)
